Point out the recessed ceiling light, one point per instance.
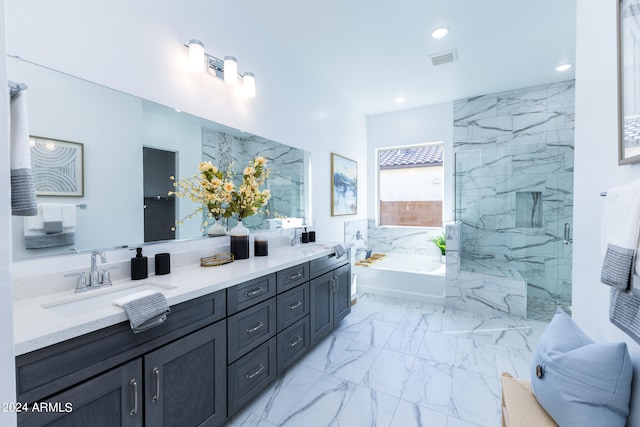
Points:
(439, 33)
(563, 67)
(400, 99)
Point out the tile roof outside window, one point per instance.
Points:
(426, 155)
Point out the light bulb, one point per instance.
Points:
(230, 70)
(196, 55)
(249, 85)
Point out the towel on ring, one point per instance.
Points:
(23, 193)
(619, 235)
(145, 309)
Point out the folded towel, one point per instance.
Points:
(145, 309)
(23, 194)
(619, 235)
(52, 218)
(339, 250)
(39, 240)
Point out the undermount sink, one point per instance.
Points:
(89, 301)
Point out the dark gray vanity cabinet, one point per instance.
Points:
(185, 381)
(330, 298)
(111, 399)
(111, 376)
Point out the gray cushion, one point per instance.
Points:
(579, 382)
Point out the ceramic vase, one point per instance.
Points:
(239, 241)
(217, 229)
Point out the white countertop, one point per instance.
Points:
(36, 327)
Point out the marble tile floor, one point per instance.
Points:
(395, 362)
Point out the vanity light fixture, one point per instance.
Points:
(563, 67)
(226, 70)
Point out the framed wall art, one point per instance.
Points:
(57, 167)
(628, 81)
(344, 186)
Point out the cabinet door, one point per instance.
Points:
(111, 399)
(321, 306)
(342, 293)
(185, 381)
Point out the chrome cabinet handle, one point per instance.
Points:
(337, 284)
(333, 285)
(296, 305)
(254, 292)
(250, 376)
(156, 372)
(134, 384)
(295, 276)
(295, 342)
(255, 328)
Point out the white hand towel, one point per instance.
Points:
(68, 215)
(23, 194)
(619, 234)
(52, 218)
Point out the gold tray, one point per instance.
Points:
(216, 260)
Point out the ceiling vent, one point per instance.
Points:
(444, 57)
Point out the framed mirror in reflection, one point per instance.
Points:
(131, 148)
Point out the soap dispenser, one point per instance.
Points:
(139, 266)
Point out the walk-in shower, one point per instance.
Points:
(514, 190)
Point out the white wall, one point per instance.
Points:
(596, 170)
(399, 185)
(409, 127)
(7, 366)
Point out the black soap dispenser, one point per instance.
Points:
(139, 266)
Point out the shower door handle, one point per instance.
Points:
(567, 233)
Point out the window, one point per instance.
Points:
(410, 185)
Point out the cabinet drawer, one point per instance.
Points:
(250, 327)
(293, 305)
(250, 375)
(249, 293)
(326, 263)
(292, 277)
(293, 343)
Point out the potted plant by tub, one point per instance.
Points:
(441, 243)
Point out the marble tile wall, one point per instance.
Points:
(287, 164)
(401, 240)
(510, 142)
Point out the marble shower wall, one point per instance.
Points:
(514, 184)
(287, 164)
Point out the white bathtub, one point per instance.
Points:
(413, 277)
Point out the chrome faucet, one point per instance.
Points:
(296, 239)
(97, 279)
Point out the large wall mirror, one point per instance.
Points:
(130, 148)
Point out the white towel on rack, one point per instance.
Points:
(55, 225)
(619, 234)
(52, 218)
(23, 194)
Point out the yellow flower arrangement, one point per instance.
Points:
(248, 199)
(215, 190)
(211, 188)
